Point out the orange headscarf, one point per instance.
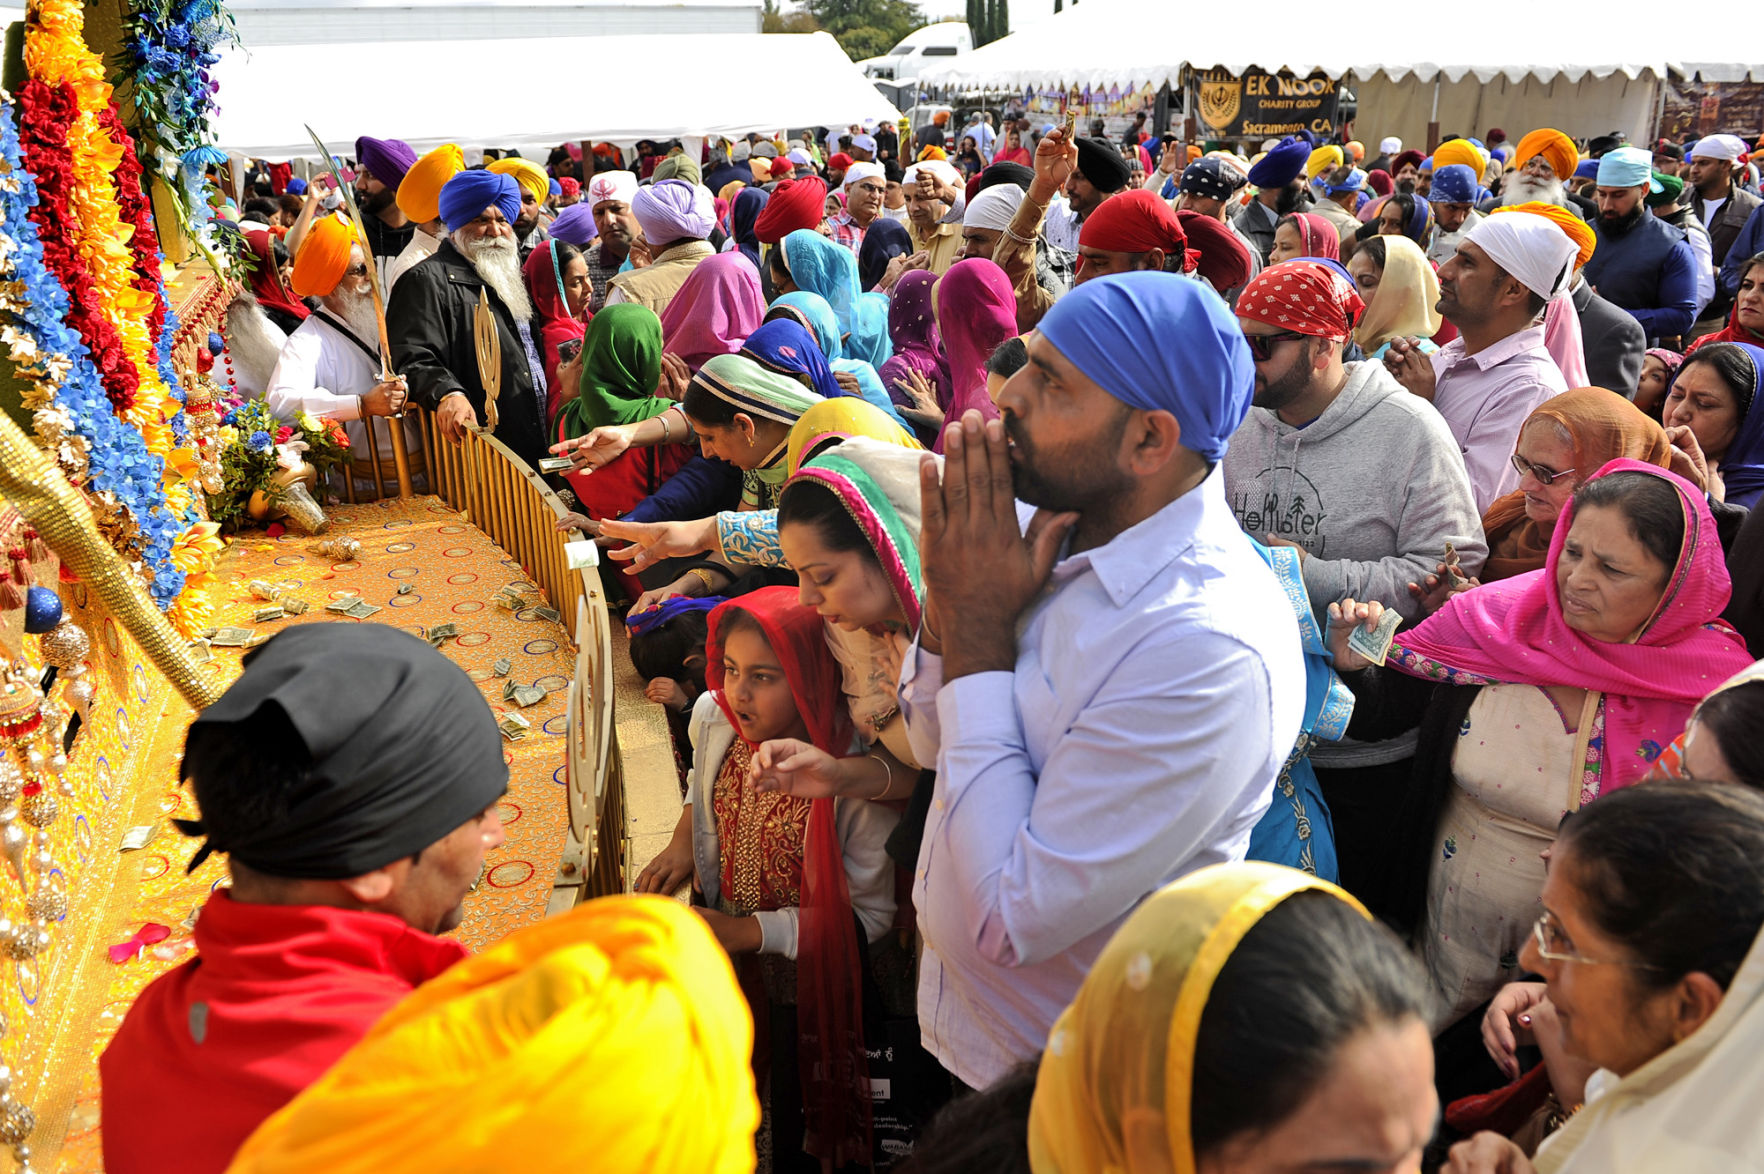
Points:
(1578, 230)
(1557, 149)
(324, 256)
(1604, 427)
(419, 195)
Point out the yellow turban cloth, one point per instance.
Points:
(530, 176)
(419, 195)
(1121, 1056)
(843, 416)
(1557, 149)
(1323, 159)
(611, 1039)
(1459, 151)
(1578, 230)
(324, 256)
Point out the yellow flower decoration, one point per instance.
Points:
(193, 552)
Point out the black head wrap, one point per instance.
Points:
(404, 749)
(1006, 173)
(1100, 162)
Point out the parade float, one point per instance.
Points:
(149, 537)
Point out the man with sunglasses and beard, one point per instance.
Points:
(1642, 264)
(431, 319)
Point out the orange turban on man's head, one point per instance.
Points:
(1569, 221)
(419, 195)
(1557, 149)
(323, 258)
(1459, 151)
(530, 176)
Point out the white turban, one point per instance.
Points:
(1531, 248)
(1390, 146)
(859, 171)
(799, 157)
(619, 186)
(943, 170)
(1724, 147)
(673, 210)
(993, 207)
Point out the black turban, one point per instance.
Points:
(403, 748)
(1101, 163)
(1006, 173)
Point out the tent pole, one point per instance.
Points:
(1660, 108)
(1433, 119)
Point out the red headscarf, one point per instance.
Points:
(544, 273)
(1734, 332)
(1303, 295)
(1224, 261)
(976, 310)
(1136, 222)
(829, 987)
(795, 203)
(569, 186)
(1317, 237)
(266, 279)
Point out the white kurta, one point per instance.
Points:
(422, 246)
(322, 372)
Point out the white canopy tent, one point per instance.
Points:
(1549, 66)
(538, 93)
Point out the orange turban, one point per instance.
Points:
(1557, 149)
(1193, 152)
(530, 176)
(933, 153)
(1459, 151)
(323, 256)
(1356, 149)
(941, 118)
(1569, 221)
(419, 194)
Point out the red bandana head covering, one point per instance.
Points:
(569, 185)
(794, 204)
(1223, 260)
(1305, 296)
(1136, 222)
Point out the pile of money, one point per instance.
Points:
(523, 695)
(440, 634)
(501, 668)
(341, 547)
(512, 597)
(514, 727)
(265, 614)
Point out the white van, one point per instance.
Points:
(920, 49)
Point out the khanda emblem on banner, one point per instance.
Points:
(1220, 101)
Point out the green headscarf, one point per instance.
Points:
(621, 368)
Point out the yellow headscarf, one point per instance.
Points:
(530, 176)
(1459, 151)
(1405, 303)
(843, 416)
(419, 195)
(623, 1012)
(1121, 1058)
(1322, 160)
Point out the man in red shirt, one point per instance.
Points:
(352, 775)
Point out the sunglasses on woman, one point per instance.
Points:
(1544, 474)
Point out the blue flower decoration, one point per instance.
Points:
(260, 441)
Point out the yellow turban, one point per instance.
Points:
(1557, 149)
(419, 195)
(1323, 160)
(1459, 151)
(843, 416)
(530, 176)
(323, 258)
(623, 1012)
(1578, 230)
(1124, 1050)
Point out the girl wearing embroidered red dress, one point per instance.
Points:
(781, 876)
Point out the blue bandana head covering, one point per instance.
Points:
(1210, 178)
(674, 606)
(820, 266)
(1354, 182)
(1455, 184)
(1282, 165)
(1200, 371)
(1628, 167)
(466, 195)
(784, 345)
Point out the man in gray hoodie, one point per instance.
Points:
(1366, 480)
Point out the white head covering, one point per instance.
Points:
(1390, 146)
(1536, 252)
(864, 142)
(619, 186)
(1724, 147)
(993, 207)
(799, 157)
(862, 170)
(944, 170)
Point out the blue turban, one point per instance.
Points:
(1353, 183)
(1454, 184)
(1426, 164)
(1628, 167)
(556, 188)
(1282, 165)
(575, 226)
(1200, 372)
(296, 186)
(466, 195)
(386, 159)
(1587, 169)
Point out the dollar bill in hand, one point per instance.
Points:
(1454, 579)
(582, 554)
(555, 464)
(1375, 645)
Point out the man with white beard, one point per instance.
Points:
(1545, 159)
(434, 307)
(330, 365)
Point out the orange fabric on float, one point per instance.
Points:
(324, 256)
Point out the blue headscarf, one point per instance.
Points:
(674, 606)
(1742, 466)
(743, 213)
(812, 310)
(790, 346)
(466, 195)
(868, 340)
(1200, 371)
(884, 240)
(819, 266)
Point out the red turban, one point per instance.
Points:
(839, 162)
(1304, 296)
(570, 186)
(795, 203)
(1137, 221)
(1406, 159)
(1224, 261)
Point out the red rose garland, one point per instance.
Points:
(48, 113)
(133, 200)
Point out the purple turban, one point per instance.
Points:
(575, 226)
(673, 210)
(386, 159)
(466, 195)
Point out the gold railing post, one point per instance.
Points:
(401, 459)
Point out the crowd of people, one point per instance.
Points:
(1179, 661)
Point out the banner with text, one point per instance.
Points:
(1259, 105)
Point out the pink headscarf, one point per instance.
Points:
(716, 309)
(1513, 632)
(1319, 238)
(1563, 340)
(976, 311)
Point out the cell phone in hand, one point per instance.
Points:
(568, 349)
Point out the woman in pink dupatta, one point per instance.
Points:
(976, 310)
(1546, 707)
(720, 304)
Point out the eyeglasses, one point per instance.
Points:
(1262, 345)
(1544, 474)
(1554, 944)
(357, 271)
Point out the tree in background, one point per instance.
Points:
(775, 20)
(988, 20)
(865, 28)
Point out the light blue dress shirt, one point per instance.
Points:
(1158, 690)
